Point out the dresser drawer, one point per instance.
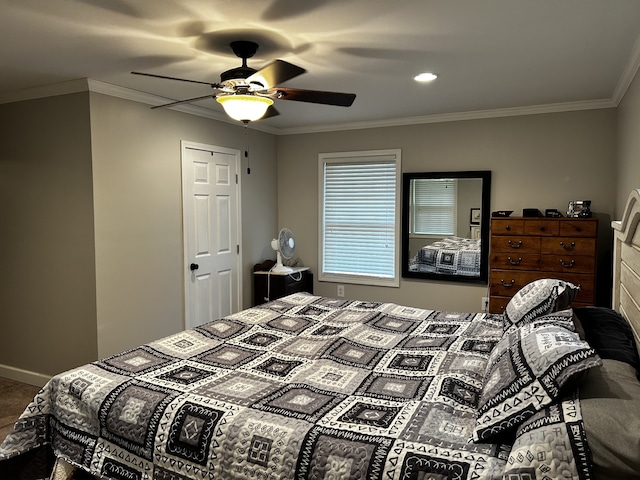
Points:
(579, 228)
(586, 282)
(507, 226)
(568, 246)
(505, 283)
(515, 244)
(515, 261)
(498, 304)
(568, 263)
(544, 227)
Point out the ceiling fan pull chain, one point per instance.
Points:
(246, 150)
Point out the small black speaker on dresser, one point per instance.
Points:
(531, 212)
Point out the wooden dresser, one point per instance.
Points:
(524, 249)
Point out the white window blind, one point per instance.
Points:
(359, 228)
(434, 206)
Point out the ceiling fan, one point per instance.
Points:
(247, 94)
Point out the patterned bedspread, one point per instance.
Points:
(451, 256)
(302, 387)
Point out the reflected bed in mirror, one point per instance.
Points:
(445, 225)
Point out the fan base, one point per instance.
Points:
(279, 268)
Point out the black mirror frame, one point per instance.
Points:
(485, 176)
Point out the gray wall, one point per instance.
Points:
(92, 226)
(138, 214)
(47, 279)
(537, 161)
(628, 153)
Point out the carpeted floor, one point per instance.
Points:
(14, 398)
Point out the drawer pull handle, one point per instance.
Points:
(507, 285)
(542, 229)
(515, 262)
(515, 245)
(567, 264)
(507, 228)
(568, 247)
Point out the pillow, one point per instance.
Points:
(609, 334)
(564, 318)
(540, 297)
(526, 371)
(551, 444)
(610, 403)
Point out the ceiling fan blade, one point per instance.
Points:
(183, 101)
(276, 73)
(314, 96)
(213, 85)
(271, 112)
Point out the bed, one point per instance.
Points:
(309, 387)
(451, 256)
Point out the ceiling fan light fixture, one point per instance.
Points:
(245, 108)
(425, 77)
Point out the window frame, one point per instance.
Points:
(360, 157)
(451, 209)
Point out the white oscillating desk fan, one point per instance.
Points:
(284, 246)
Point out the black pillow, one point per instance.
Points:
(609, 334)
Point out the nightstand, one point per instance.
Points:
(271, 286)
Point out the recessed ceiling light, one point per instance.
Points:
(425, 77)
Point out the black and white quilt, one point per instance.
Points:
(304, 387)
(451, 256)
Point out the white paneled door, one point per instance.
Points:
(211, 212)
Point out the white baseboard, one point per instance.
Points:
(24, 376)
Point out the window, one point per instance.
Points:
(359, 224)
(433, 206)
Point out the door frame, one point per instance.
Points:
(184, 145)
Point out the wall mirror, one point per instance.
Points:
(445, 225)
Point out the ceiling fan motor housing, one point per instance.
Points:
(243, 49)
(237, 73)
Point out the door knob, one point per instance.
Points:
(194, 266)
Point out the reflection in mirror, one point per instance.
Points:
(445, 225)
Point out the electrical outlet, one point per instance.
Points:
(485, 304)
(341, 290)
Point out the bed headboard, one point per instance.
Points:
(626, 263)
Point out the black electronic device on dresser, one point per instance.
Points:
(268, 285)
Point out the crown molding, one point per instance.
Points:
(87, 84)
(97, 86)
(456, 117)
(112, 90)
(51, 90)
(629, 73)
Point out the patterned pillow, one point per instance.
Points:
(551, 444)
(538, 298)
(564, 318)
(526, 372)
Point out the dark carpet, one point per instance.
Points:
(14, 398)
